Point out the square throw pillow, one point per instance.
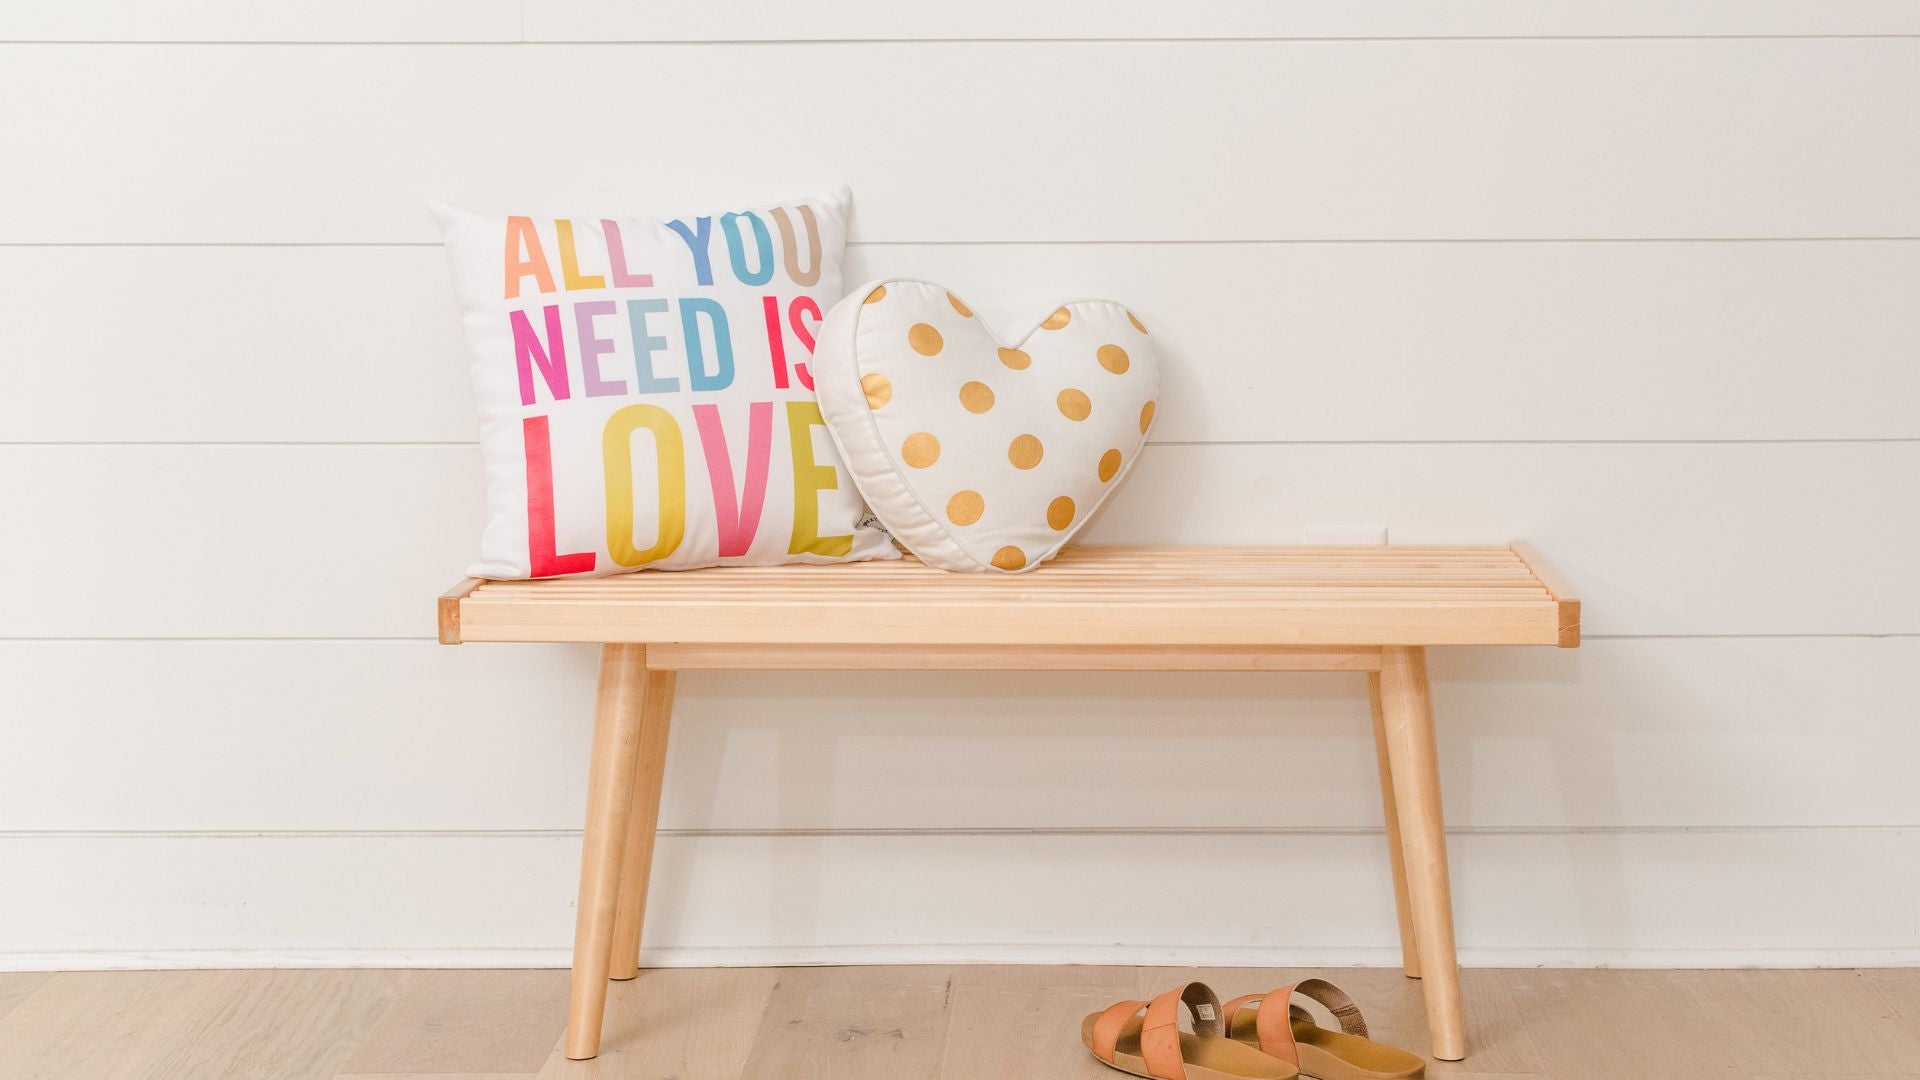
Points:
(644, 392)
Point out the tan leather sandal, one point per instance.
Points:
(1154, 1046)
(1285, 1031)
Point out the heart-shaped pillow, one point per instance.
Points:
(975, 455)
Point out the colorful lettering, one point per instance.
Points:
(645, 345)
(570, 263)
(804, 332)
(671, 479)
(698, 378)
(811, 275)
(592, 345)
(699, 239)
(736, 248)
(809, 480)
(776, 340)
(524, 257)
(739, 519)
(540, 541)
(617, 259)
(550, 358)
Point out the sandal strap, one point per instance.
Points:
(1274, 1026)
(1338, 1002)
(1107, 1029)
(1274, 1032)
(1160, 1034)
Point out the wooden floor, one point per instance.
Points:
(911, 1023)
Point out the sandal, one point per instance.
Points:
(1290, 1035)
(1154, 1046)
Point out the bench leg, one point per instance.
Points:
(1407, 716)
(1409, 953)
(636, 865)
(616, 743)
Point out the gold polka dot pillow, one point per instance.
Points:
(978, 455)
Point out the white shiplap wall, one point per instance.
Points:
(1633, 280)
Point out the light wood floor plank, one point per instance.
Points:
(853, 1024)
(1635, 1023)
(1022, 1023)
(312, 1021)
(1899, 991)
(1822, 1022)
(467, 1021)
(203, 1025)
(107, 1025)
(16, 986)
(674, 1022)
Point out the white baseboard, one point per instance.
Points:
(855, 955)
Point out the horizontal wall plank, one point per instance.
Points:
(203, 541)
(245, 736)
(1277, 140)
(1688, 897)
(232, 344)
(757, 20)
(292, 735)
(250, 20)
(856, 20)
(345, 541)
(1389, 342)
(1285, 342)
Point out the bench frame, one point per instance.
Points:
(633, 715)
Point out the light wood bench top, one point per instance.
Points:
(1090, 596)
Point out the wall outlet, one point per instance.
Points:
(1345, 534)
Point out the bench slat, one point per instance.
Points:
(1091, 597)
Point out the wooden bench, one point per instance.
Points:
(1361, 609)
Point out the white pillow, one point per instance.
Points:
(980, 456)
(644, 391)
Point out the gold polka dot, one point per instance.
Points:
(1009, 558)
(1137, 324)
(965, 507)
(921, 450)
(1015, 359)
(965, 311)
(879, 390)
(1057, 320)
(878, 294)
(926, 340)
(1112, 357)
(1146, 417)
(1025, 452)
(1074, 405)
(1109, 464)
(1060, 513)
(976, 397)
